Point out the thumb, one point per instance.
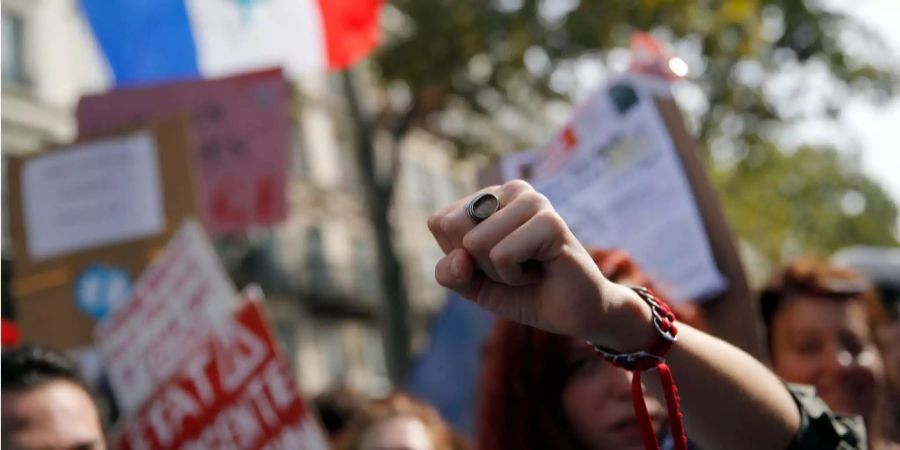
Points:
(456, 271)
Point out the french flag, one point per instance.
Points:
(147, 41)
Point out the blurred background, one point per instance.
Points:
(794, 104)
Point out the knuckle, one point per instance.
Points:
(550, 219)
(517, 185)
(535, 200)
(434, 223)
(473, 243)
(500, 257)
(446, 224)
(514, 189)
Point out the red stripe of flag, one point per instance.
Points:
(351, 30)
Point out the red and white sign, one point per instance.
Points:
(240, 126)
(236, 392)
(182, 297)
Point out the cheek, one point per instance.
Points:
(576, 397)
(584, 404)
(794, 368)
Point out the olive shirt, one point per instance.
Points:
(820, 429)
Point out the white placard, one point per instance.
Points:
(93, 194)
(178, 301)
(615, 177)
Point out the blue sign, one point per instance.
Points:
(101, 289)
(446, 375)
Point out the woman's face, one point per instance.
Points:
(597, 400)
(827, 343)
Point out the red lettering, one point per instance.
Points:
(265, 198)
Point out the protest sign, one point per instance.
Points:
(446, 374)
(624, 174)
(240, 126)
(614, 175)
(235, 392)
(181, 298)
(86, 220)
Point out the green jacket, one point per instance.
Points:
(821, 429)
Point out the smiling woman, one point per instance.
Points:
(821, 323)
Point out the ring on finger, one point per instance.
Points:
(482, 206)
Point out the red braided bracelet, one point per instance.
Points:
(663, 320)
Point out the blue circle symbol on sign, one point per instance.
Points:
(100, 290)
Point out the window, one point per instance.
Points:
(368, 284)
(422, 187)
(13, 48)
(316, 265)
(375, 359)
(4, 208)
(299, 161)
(286, 332)
(331, 347)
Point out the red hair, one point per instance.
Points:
(524, 373)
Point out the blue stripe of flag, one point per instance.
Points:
(144, 41)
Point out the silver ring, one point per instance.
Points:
(481, 207)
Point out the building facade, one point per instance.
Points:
(318, 268)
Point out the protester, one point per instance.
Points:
(821, 326)
(45, 405)
(398, 422)
(532, 270)
(542, 390)
(881, 265)
(889, 338)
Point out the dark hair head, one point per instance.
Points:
(814, 278)
(30, 366)
(338, 407)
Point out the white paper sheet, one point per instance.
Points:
(616, 179)
(92, 194)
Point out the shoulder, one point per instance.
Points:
(820, 428)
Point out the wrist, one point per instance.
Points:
(627, 325)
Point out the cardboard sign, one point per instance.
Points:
(180, 299)
(82, 212)
(94, 194)
(236, 392)
(241, 128)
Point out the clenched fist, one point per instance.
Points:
(524, 264)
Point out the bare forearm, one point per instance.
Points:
(728, 398)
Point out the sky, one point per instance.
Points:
(877, 129)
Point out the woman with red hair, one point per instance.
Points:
(542, 390)
(508, 250)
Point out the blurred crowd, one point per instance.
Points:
(826, 326)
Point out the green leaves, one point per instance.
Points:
(467, 59)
